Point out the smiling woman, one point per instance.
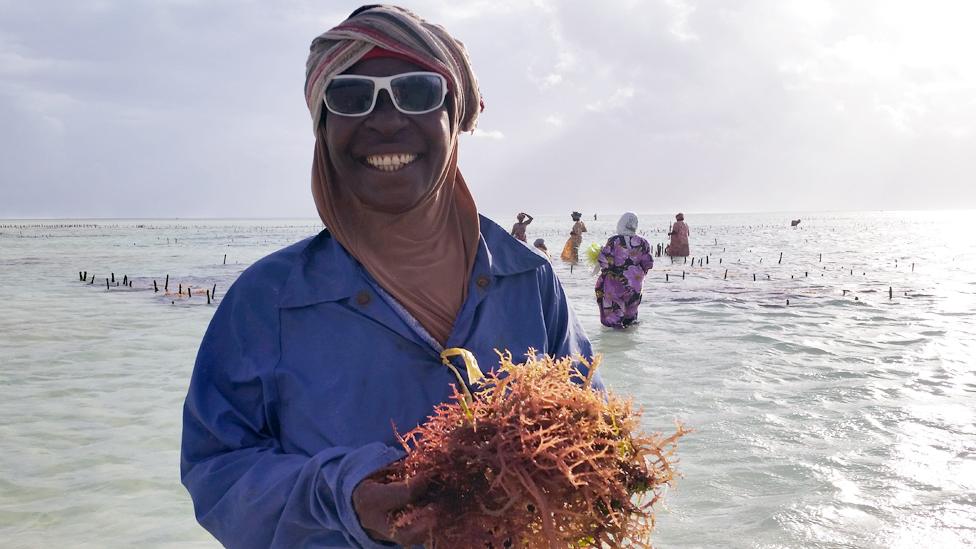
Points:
(394, 215)
(320, 349)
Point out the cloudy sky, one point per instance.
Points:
(194, 108)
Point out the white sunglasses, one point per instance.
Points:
(411, 92)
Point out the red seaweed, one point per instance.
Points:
(537, 459)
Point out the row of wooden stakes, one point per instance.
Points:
(725, 276)
(210, 293)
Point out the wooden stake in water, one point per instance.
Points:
(113, 278)
(214, 292)
(726, 275)
(667, 277)
(166, 284)
(208, 297)
(225, 259)
(889, 292)
(107, 287)
(682, 275)
(753, 277)
(155, 286)
(821, 257)
(780, 258)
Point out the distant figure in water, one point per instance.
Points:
(594, 217)
(794, 223)
(571, 249)
(679, 238)
(518, 229)
(624, 261)
(540, 245)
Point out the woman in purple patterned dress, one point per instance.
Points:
(624, 261)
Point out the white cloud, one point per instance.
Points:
(551, 80)
(619, 98)
(681, 11)
(476, 9)
(488, 134)
(17, 61)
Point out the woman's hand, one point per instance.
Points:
(375, 501)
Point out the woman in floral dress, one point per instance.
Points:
(624, 261)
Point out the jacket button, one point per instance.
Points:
(482, 282)
(362, 298)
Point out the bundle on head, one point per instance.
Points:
(537, 459)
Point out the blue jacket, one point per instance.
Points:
(306, 367)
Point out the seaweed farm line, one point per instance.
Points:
(827, 371)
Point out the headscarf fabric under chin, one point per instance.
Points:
(422, 257)
(627, 225)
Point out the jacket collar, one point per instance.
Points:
(324, 270)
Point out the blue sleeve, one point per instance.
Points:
(565, 335)
(247, 490)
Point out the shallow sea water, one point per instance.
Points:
(845, 419)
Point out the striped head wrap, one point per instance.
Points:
(400, 31)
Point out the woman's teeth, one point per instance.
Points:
(390, 162)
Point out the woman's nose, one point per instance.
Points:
(385, 117)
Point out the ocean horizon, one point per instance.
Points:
(502, 216)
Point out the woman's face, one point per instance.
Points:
(411, 149)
